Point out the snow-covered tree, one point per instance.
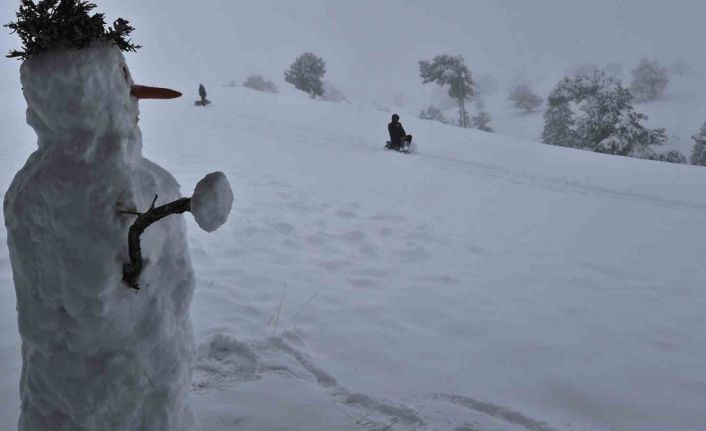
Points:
(481, 120)
(649, 81)
(524, 98)
(257, 82)
(609, 124)
(333, 94)
(698, 154)
(451, 71)
(604, 119)
(559, 126)
(306, 74)
(626, 136)
(433, 113)
(202, 96)
(672, 156)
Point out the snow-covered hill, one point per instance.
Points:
(484, 283)
(681, 111)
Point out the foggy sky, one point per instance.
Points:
(372, 46)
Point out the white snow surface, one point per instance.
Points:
(96, 354)
(212, 201)
(482, 283)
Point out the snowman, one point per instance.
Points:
(100, 262)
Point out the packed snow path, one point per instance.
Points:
(482, 283)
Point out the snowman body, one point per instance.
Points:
(97, 355)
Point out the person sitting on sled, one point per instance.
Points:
(398, 137)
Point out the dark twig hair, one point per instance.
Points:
(50, 24)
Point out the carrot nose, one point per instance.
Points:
(145, 92)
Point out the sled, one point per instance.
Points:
(407, 148)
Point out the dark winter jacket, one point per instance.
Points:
(397, 133)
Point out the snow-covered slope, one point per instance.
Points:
(482, 283)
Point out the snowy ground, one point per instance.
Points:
(484, 283)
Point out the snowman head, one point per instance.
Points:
(79, 92)
(78, 88)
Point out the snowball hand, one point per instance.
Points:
(210, 206)
(145, 92)
(212, 201)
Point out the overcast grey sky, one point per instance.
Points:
(372, 46)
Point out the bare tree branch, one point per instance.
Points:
(132, 270)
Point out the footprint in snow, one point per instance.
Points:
(334, 265)
(362, 282)
(354, 236)
(389, 217)
(317, 239)
(415, 253)
(344, 213)
(494, 410)
(372, 272)
(386, 232)
(368, 250)
(224, 361)
(283, 228)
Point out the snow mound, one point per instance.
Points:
(212, 201)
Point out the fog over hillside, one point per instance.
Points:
(372, 47)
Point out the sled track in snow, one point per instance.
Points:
(564, 185)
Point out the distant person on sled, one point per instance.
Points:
(399, 139)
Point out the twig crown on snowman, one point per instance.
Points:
(49, 24)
